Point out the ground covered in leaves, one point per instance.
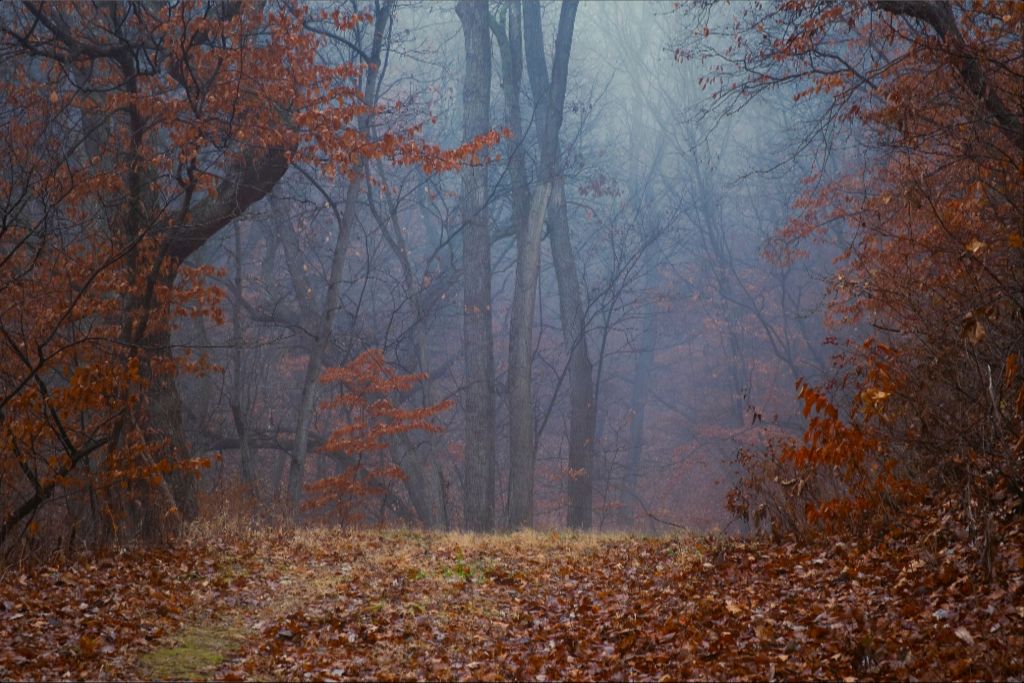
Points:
(329, 604)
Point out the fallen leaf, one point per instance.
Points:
(964, 635)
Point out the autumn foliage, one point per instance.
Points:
(892, 487)
(132, 133)
(369, 416)
(932, 275)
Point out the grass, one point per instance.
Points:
(192, 654)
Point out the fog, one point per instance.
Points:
(695, 339)
(696, 324)
(511, 339)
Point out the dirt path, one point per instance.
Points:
(326, 606)
(430, 606)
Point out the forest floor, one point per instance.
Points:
(328, 604)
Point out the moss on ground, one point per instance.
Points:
(192, 654)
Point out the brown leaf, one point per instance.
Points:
(88, 646)
(972, 330)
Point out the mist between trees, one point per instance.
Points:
(491, 265)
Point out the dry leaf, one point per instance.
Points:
(972, 330)
(974, 246)
(964, 635)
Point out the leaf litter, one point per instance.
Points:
(330, 604)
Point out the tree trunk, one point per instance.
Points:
(638, 399)
(164, 412)
(527, 226)
(582, 406)
(238, 404)
(421, 481)
(318, 344)
(522, 447)
(476, 250)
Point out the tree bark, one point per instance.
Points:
(238, 404)
(164, 417)
(476, 255)
(550, 95)
(582, 404)
(522, 446)
(528, 221)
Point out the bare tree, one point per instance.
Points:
(476, 255)
(528, 219)
(549, 93)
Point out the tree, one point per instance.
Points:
(528, 211)
(370, 420)
(551, 92)
(136, 134)
(476, 261)
(933, 91)
(160, 158)
(344, 216)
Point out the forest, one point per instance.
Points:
(512, 339)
